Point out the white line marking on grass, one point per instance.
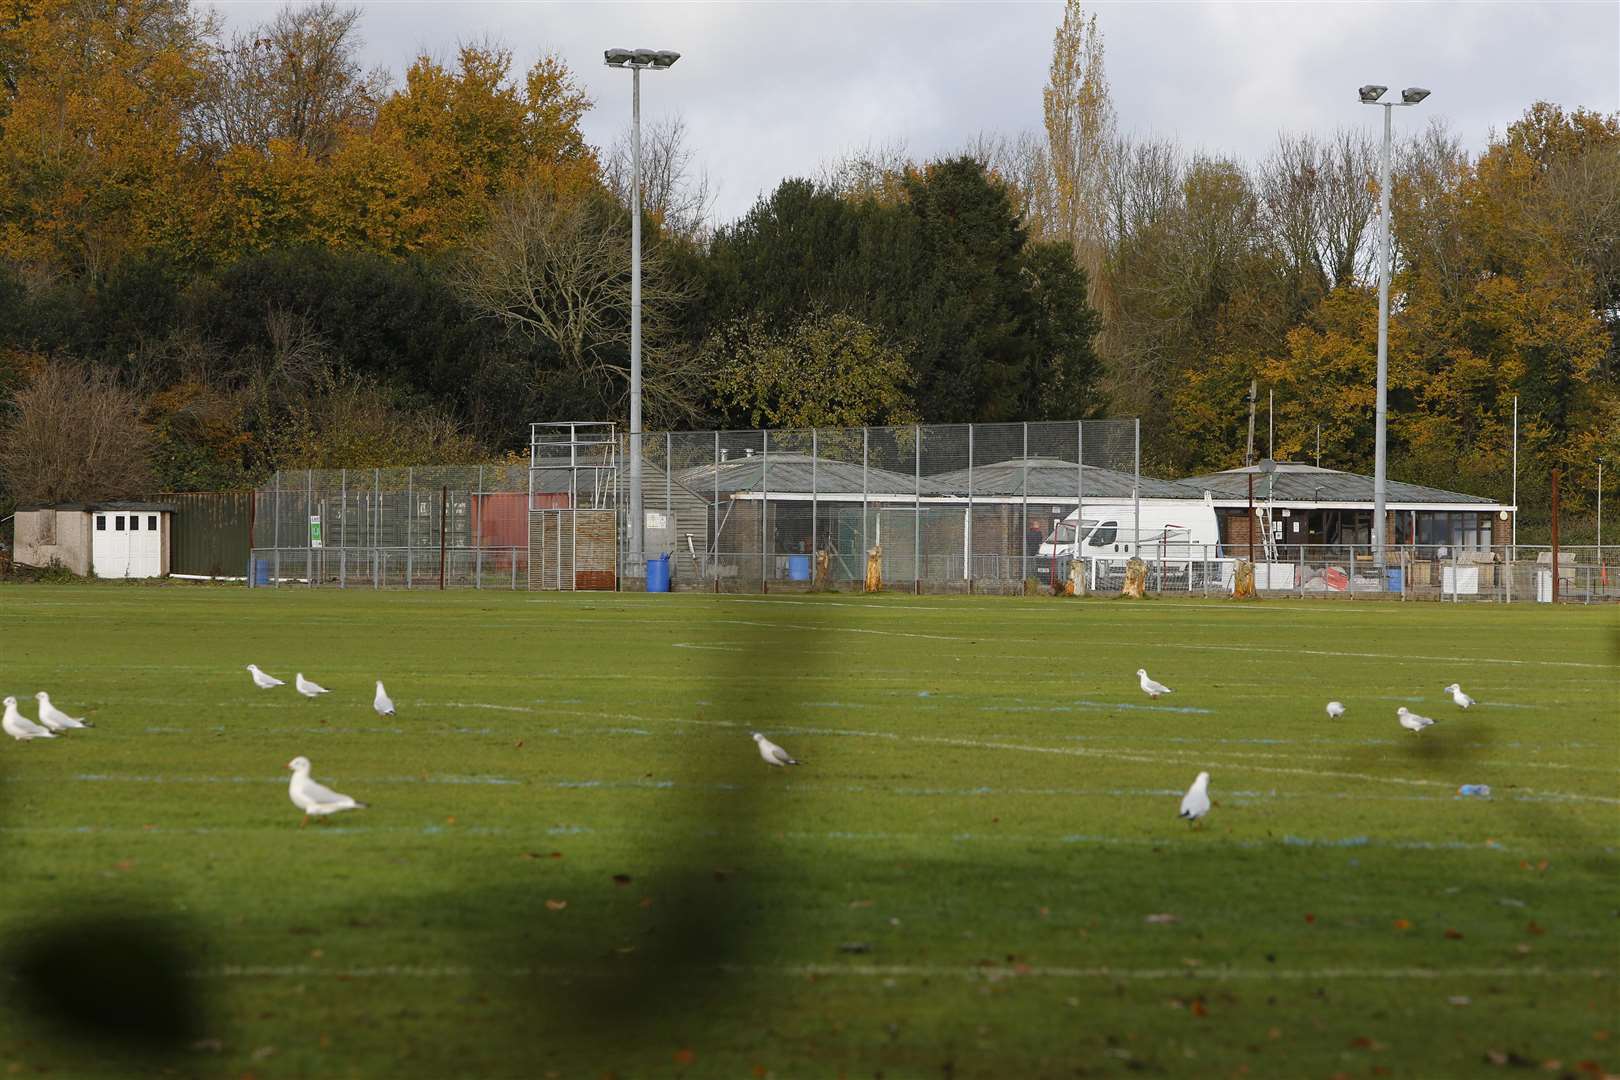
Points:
(990, 972)
(715, 648)
(102, 778)
(1073, 705)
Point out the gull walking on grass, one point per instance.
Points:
(19, 727)
(55, 718)
(1411, 721)
(1150, 688)
(315, 800)
(773, 754)
(1195, 804)
(1463, 700)
(382, 702)
(1335, 709)
(307, 688)
(263, 681)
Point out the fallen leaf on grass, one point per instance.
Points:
(1453, 935)
(1459, 1000)
(646, 902)
(855, 947)
(860, 903)
(1309, 917)
(556, 855)
(684, 1056)
(125, 865)
(722, 875)
(530, 855)
(1552, 1065)
(1198, 1008)
(621, 879)
(1161, 919)
(1536, 929)
(518, 745)
(556, 905)
(760, 1072)
(1403, 924)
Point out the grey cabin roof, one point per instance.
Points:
(1297, 482)
(1054, 478)
(789, 472)
(107, 505)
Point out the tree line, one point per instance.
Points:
(243, 252)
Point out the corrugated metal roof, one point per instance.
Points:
(106, 505)
(1297, 482)
(1054, 478)
(788, 472)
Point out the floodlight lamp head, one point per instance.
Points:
(618, 57)
(645, 57)
(1267, 466)
(666, 59)
(1371, 93)
(1413, 94)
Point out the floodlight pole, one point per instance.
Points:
(635, 60)
(637, 565)
(1370, 96)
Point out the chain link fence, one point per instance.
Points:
(985, 508)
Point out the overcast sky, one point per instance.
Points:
(771, 90)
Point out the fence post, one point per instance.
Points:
(309, 512)
(410, 521)
(815, 453)
(375, 527)
(1136, 490)
(1555, 536)
(276, 530)
(1023, 526)
(764, 504)
(916, 512)
(1080, 484)
(444, 513)
(715, 538)
(478, 534)
(967, 531)
(343, 528)
(864, 448)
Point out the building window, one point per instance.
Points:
(134, 523)
(47, 527)
(151, 522)
(101, 523)
(118, 523)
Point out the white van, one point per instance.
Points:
(1170, 529)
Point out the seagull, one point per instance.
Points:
(1462, 699)
(1411, 721)
(382, 702)
(1195, 804)
(312, 798)
(773, 754)
(263, 681)
(307, 688)
(55, 718)
(19, 727)
(1150, 688)
(1335, 709)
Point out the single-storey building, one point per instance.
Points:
(1307, 505)
(118, 539)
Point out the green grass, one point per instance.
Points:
(987, 812)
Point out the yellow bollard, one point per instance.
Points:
(874, 569)
(1243, 581)
(1135, 579)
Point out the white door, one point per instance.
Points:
(109, 549)
(145, 546)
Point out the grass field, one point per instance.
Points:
(979, 871)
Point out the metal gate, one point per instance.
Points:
(573, 549)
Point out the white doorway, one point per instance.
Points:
(127, 544)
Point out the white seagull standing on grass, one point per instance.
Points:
(1150, 688)
(307, 688)
(1335, 709)
(1463, 700)
(315, 799)
(1411, 721)
(263, 681)
(1195, 804)
(55, 718)
(773, 754)
(382, 702)
(19, 727)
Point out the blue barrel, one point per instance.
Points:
(658, 574)
(261, 571)
(1395, 575)
(798, 568)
